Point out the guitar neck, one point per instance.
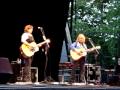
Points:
(40, 44)
(92, 49)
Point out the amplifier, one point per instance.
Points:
(93, 73)
(17, 75)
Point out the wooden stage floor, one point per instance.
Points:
(57, 86)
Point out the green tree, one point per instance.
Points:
(99, 20)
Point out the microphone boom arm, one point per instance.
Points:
(93, 45)
(43, 35)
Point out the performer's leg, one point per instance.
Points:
(82, 71)
(73, 78)
(27, 70)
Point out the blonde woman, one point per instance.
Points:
(78, 51)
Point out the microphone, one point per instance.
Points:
(87, 38)
(39, 27)
(91, 41)
(42, 31)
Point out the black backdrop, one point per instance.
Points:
(49, 14)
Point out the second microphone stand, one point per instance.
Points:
(95, 55)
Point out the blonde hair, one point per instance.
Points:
(80, 36)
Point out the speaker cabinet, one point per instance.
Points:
(16, 67)
(5, 70)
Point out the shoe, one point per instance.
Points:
(28, 83)
(78, 84)
(36, 83)
(23, 83)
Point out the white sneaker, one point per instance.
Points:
(37, 83)
(23, 83)
(28, 82)
(78, 83)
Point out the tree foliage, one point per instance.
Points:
(99, 20)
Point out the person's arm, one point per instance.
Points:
(94, 48)
(73, 46)
(90, 50)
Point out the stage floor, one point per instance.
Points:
(56, 86)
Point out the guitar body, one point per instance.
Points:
(29, 50)
(77, 56)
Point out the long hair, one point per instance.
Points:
(79, 36)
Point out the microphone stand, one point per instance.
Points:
(46, 63)
(97, 52)
(95, 55)
(46, 80)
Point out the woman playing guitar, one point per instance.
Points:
(26, 39)
(78, 52)
(27, 50)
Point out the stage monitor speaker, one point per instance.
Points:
(5, 70)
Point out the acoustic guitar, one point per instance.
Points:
(77, 54)
(29, 50)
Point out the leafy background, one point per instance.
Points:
(99, 20)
